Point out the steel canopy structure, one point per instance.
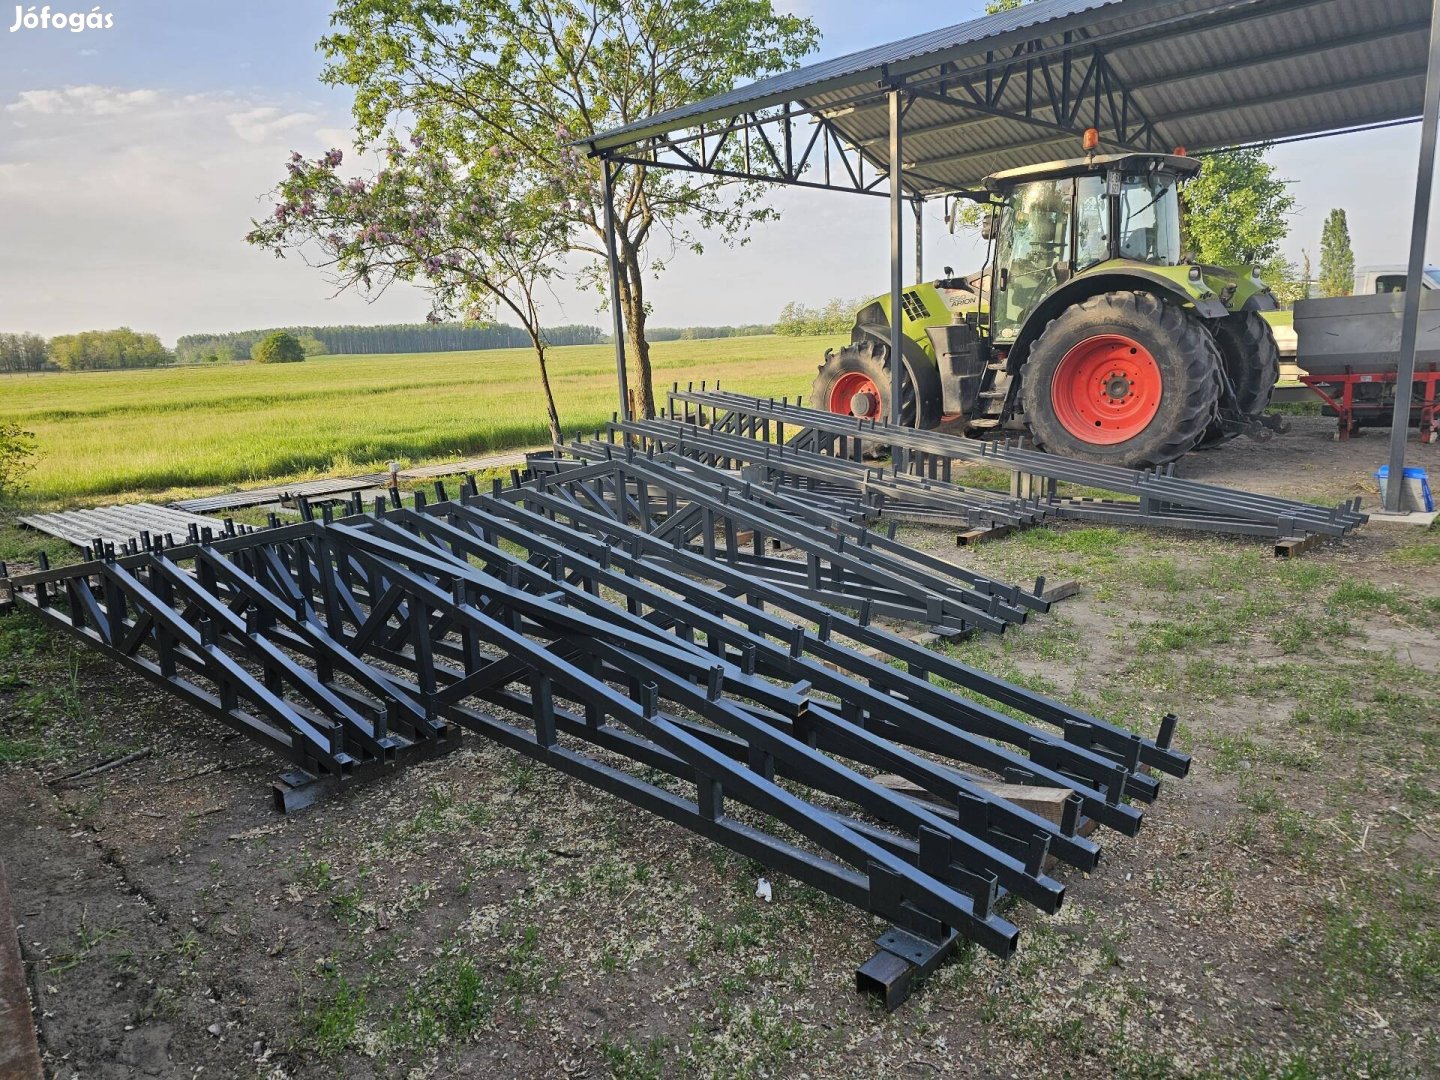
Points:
(935, 113)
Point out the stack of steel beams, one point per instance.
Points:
(1154, 497)
(699, 683)
(936, 499)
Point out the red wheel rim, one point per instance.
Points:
(849, 387)
(1106, 389)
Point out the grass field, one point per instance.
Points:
(106, 434)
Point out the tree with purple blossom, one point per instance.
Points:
(478, 238)
(484, 84)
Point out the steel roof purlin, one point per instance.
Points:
(1001, 91)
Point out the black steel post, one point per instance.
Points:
(897, 280)
(617, 319)
(1419, 231)
(919, 205)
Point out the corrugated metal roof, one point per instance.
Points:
(1208, 73)
(858, 68)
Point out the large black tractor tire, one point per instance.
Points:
(1125, 378)
(855, 381)
(1252, 360)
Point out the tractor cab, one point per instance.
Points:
(1066, 217)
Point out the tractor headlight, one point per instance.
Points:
(1255, 272)
(1195, 274)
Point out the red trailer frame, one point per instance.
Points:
(1349, 411)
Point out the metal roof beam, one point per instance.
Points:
(879, 76)
(1116, 40)
(1291, 95)
(1298, 53)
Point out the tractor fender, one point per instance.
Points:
(1087, 285)
(923, 372)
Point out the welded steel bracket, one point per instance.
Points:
(903, 962)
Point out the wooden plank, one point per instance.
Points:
(1045, 802)
(19, 1050)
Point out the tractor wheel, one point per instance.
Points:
(856, 382)
(1252, 360)
(1125, 378)
(1251, 357)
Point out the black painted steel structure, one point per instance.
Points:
(715, 422)
(560, 618)
(935, 113)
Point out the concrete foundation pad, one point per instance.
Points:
(1421, 518)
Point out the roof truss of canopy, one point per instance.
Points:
(1018, 88)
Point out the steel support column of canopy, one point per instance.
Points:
(919, 205)
(1419, 233)
(617, 319)
(897, 279)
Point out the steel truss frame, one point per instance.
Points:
(1062, 88)
(845, 564)
(352, 646)
(1159, 497)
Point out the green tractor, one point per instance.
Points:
(1090, 329)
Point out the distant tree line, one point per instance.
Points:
(836, 317)
(92, 350)
(397, 338)
(697, 333)
(23, 352)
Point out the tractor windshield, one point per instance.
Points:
(1033, 253)
(1150, 219)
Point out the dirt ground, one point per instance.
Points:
(1278, 916)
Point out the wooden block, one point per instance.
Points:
(19, 1051)
(978, 536)
(1061, 590)
(1045, 802)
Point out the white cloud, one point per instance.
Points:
(267, 123)
(130, 207)
(81, 100)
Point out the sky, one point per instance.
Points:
(133, 158)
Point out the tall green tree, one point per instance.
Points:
(1237, 210)
(477, 237)
(1337, 257)
(524, 81)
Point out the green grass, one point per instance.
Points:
(117, 433)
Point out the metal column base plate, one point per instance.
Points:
(904, 961)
